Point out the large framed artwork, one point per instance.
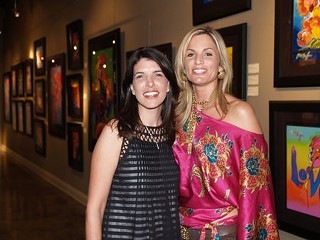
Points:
(21, 116)
(7, 97)
(40, 56)
(56, 96)
(40, 131)
(28, 106)
(165, 48)
(295, 163)
(75, 146)
(40, 97)
(28, 66)
(75, 95)
(208, 10)
(75, 45)
(235, 38)
(104, 81)
(297, 51)
(14, 81)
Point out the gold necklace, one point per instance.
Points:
(152, 137)
(193, 119)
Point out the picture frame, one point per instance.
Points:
(75, 95)
(165, 48)
(14, 81)
(104, 81)
(28, 70)
(20, 79)
(40, 97)
(56, 96)
(75, 146)
(75, 45)
(294, 140)
(29, 117)
(40, 137)
(14, 123)
(7, 96)
(235, 38)
(40, 56)
(21, 116)
(296, 61)
(208, 10)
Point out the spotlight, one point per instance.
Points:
(15, 10)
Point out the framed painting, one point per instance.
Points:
(75, 95)
(296, 51)
(104, 81)
(7, 97)
(28, 70)
(165, 48)
(75, 45)
(208, 10)
(235, 38)
(28, 105)
(40, 97)
(40, 56)
(75, 146)
(14, 115)
(295, 164)
(14, 81)
(40, 136)
(56, 96)
(20, 79)
(21, 116)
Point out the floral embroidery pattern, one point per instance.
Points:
(254, 169)
(263, 228)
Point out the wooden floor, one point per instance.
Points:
(31, 208)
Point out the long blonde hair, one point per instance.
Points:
(183, 109)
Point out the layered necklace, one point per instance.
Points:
(193, 118)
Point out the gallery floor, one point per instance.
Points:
(32, 209)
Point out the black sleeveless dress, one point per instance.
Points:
(143, 199)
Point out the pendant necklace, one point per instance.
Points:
(152, 137)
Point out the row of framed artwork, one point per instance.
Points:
(295, 164)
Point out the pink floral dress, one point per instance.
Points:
(225, 180)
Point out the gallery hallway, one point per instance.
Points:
(32, 209)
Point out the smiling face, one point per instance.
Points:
(201, 60)
(150, 85)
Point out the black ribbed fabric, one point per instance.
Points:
(142, 202)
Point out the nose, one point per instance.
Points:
(199, 60)
(150, 82)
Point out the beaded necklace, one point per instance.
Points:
(193, 118)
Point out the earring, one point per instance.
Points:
(221, 74)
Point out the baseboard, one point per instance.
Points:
(63, 186)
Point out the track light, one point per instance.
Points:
(15, 10)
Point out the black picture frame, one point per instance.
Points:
(207, 10)
(29, 117)
(75, 95)
(21, 116)
(296, 63)
(14, 91)
(20, 79)
(6, 77)
(14, 123)
(40, 56)
(75, 45)
(28, 74)
(40, 132)
(290, 135)
(40, 97)
(104, 79)
(165, 48)
(56, 96)
(235, 38)
(75, 146)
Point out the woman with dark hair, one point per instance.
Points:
(134, 180)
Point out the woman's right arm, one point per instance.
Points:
(104, 161)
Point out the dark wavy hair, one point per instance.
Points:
(128, 116)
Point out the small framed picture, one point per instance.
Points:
(75, 146)
(75, 45)
(14, 81)
(40, 97)
(20, 79)
(40, 137)
(7, 97)
(14, 115)
(28, 67)
(40, 56)
(21, 116)
(29, 117)
(75, 93)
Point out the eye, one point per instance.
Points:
(138, 76)
(159, 74)
(208, 54)
(189, 55)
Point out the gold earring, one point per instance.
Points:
(221, 74)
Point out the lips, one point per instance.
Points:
(151, 94)
(199, 71)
